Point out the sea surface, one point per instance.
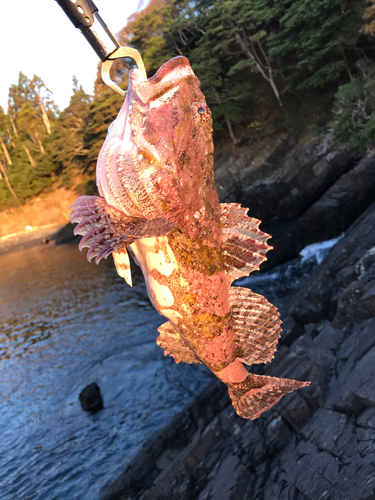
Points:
(65, 323)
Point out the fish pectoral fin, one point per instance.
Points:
(122, 264)
(106, 228)
(245, 245)
(256, 326)
(172, 343)
(258, 393)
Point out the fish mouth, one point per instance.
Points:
(174, 69)
(168, 77)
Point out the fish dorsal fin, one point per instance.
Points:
(122, 263)
(245, 245)
(172, 343)
(256, 326)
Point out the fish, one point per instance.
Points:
(158, 202)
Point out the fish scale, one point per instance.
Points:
(159, 202)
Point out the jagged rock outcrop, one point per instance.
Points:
(304, 191)
(330, 215)
(291, 177)
(316, 443)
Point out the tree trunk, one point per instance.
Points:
(229, 127)
(5, 149)
(7, 182)
(40, 144)
(13, 126)
(226, 118)
(250, 52)
(31, 159)
(46, 121)
(11, 138)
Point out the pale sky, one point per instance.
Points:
(36, 37)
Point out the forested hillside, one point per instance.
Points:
(265, 66)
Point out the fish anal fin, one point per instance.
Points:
(122, 264)
(106, 228)
(258, 393)
(245, 245)
(256, 325)
(172, 343)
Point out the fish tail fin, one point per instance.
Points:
(258, 393)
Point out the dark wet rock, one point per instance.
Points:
(291, 331)
(332, 431)
(91, 398)
(318, 296)
(160, 453)
(340, 205)
(359, 389)
(329, 215)
(367, 419)
(66, 235)
(291, 177)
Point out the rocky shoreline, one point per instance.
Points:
(27, 239)
(316, 443)
(51, 233)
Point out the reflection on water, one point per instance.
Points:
(65, 323)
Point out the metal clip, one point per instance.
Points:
(118, 54)
(85, 16)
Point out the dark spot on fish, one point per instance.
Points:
(164, 206)
(194, 254)
(184, 158)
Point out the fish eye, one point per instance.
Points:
(201, 111)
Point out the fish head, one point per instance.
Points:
(162, 165)
(170, 116)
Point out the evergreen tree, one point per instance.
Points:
(101, 112)
(24, 131)
(67, 142)
(315, 40)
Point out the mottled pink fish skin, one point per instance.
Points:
(158, 160)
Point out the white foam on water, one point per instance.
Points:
(319, 250)
(276, 284)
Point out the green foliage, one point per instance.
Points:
(314, 42)
(101, 112)
(38, 142)
(147, 34)
(355, 113)
(67, 142)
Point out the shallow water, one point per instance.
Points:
(65, 323)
